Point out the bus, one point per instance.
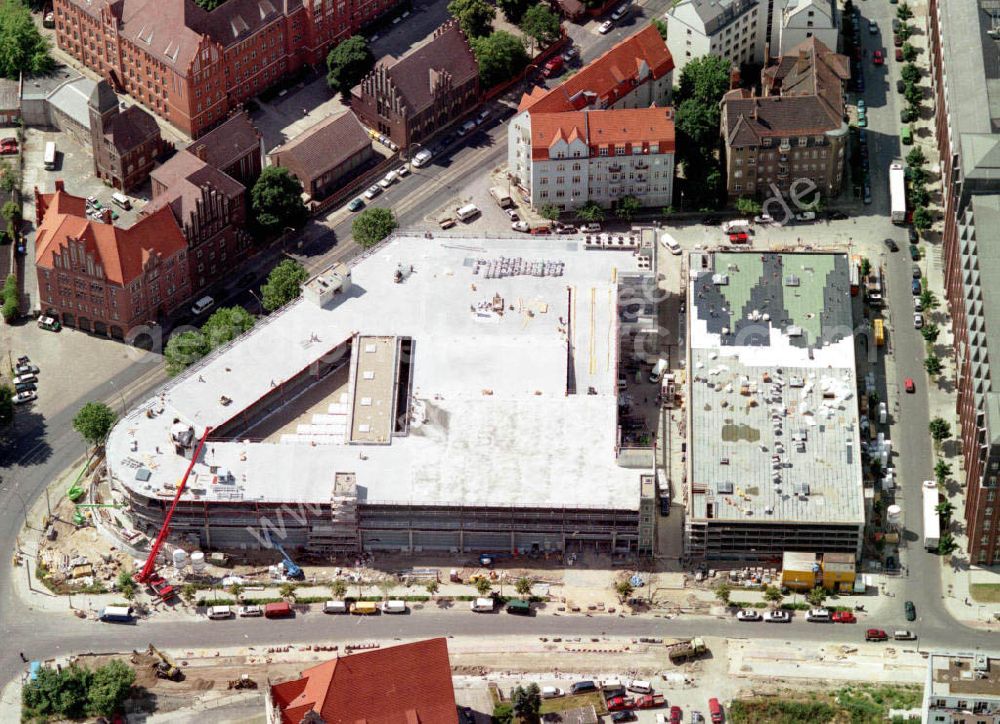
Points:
(897, 192)
(879, 329)
(855, 277)
(50, 156)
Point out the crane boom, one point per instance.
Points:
(147, 570)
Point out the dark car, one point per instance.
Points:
(581, 687)
(900, 87)
(911, 234)
(916, 271)
(891, 245)
(836, 216)
(915, 287)
(911, 611)
(25, 387)
(914, 252)
(618, 716)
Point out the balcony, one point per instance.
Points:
(785, 146)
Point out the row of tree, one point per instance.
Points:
(75, 692)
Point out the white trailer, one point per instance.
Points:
(897, 192)
(932, 521)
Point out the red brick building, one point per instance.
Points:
(125, 143)
(99, 278)
(193, 67)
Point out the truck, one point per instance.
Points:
(116, 614)
(897, 192)
(932, 520)
(502, 198)
(277, 610)
(650, 701)
(685, 650)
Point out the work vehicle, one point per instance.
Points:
(897, 192)
(356, 204)
(519, 607)
(49, 159)
(281, 609)
(464, 213)
(932, 520)
(619, 703)
(364, 608)
(292, 569)
(675, 715)
(911, 611)
(878, 328)
(685, 650)
(116, 614)
(251, 611)
(658, 371)
(739, 237)
(164, 668)
(613, 687)
(640, 686)
(217, 613)
(876, 634)
(394, 606)
(552, 692)
(553, 66)
(715, 710)
(482, 605)
(202, 305)
(843, 617)
(121, 200)
(581, 687)
(748, 614)
(502, 198)
(335, 607)
(778, 616)
(650, 701)
(49, 323)
(904, 635)
(819, 615)
(670, 243)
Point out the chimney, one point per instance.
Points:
(803, 61)
(106, 215)
(201, 152)
(60, 186)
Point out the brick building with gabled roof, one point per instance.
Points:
(125, 143)
(409, 98)
(405, 684)
(100, 278)
(604, 134)
(796, 130)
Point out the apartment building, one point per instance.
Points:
(634, 75)
(103, 279)
(125, 143)
(961, 39)
(409, 98)
(961, 688)
(734, 29)
(194, 67)
(795, 131)
(804, 19)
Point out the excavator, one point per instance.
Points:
(165, 668)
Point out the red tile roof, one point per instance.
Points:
(407, 684)
(614, 127)
(608, 77)
(123, 253)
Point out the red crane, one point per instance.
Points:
(148, 574)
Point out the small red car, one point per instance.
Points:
(675, 714)
(878, 58)
(876, 634)
(843, 617)
(740, 237)
(620, 703)
(899, 55)
(8, 148)
(909, 386)
(553, 66)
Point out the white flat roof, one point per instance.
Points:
(492, 424)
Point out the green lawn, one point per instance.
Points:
(985, 592)
(857, 704)
(572, 702)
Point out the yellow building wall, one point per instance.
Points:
(800, 580)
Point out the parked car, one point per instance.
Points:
(917, 304)
(552, 692)
(512, 213)
(675, 714)
(591, 228)
(467, 128)
(581, 687)
(483, 116)
(899, 55)
(20, 379)
(918, 320)
(553, 67)
(878, 58)
(904, 635)
(891, 245)
(25, 387)
(778, 616)
(22, 397)
(202, 305)
(356, 205)
(619, 703)
(606, 27)
(914, 252)
(251, 611)
(763, 219)
(421, 158)
(372, 192)
(843, 617)
(805, 216)
(26, 368)
(876, 634)
(622, 716)
(873, 27)
(570, 54)
(446, 222)
(911, 234)
(388, 180)
(916, 271)
(620, 12)
(915, 287)
(900, 85)
(748, 614)
(910, 387)
(49, 323)
(911, 611)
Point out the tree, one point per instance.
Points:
(500, 56)
(816, 596)
(9, 178)
(747, 205)
(432, 587)
(627, 206)
(56, 694)
(932, 363)
(591, 212)
(905, 31)
(483, 585)
(526, 702)
(514, 10)
(945, 509)
(348, 63)
(699, 122)
(922, 219)
(11, 298)
(624, 590)
(947, 544)
(286, 590)
(338, 588)
(913, 94)
(503, 713)
(540, 23)
(10, 213)
(940, 429)
(6, 405)
(705, 79)
(930, 332)
(941, 471)
(372, 225)
(385, 586)
(910, 74)
(773, 595)
(918, 175)
(475, 17)
(523, 586)
(188, 592)
(94, 421)
(919, 195)
(109, 687)
(236, 591)
(184, 349)
(277, 199)
(909, 52)
(225, 325)
(126, 585)
(661, 28)
(283, 284)
(866, 266)
(550, 212)
(903, 12)
(23, 49)
(723, 592)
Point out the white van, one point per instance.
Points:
(736, 225)
(658, 369)
(552, 692)
(640, 687)
(482, 605)
(219, 612)
(393, 607)
(202, 305)
(335, 607)
(467, 212)
(671, 243)
(821, 615)
(613, 687)
(121, 200)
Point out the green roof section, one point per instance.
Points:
(744, 272)
(804, 302)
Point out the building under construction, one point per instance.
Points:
(441, 395)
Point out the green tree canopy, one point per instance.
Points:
(514, 10)
(109, 687)
(591, 212)
(940, 429)
(932, 363)
(23, 49)
(500, 56)
(338, 588)
(913, 94)
(661, 28)
(549, 211)
(184, 349)
(526, 702)
(372, 225)
(903, 12)
(348, 63)
(930, 332)
(277, 199)
(225, 325)
(94, 421)
(475, 17)
(482, 585)
(909, 52)
(284, 284)
(540, 23)
(816, 596)
(910, 73)
(76, 692)
(942, 470)
(523, 586)
(747, 205)
(624, 589)
(922, 219)
(627, 207)
(722, 592)
(705, 79)
(702, 85)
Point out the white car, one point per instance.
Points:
(91, 201)
(422, 158)
(606, 27)
(918, 320)
(372, 192)
(402, 171)
(251, 611)
(748, 614)
(806, 216)
(591, 228)
(570, 54)
(778, 616)
(27, 396)
(26, 368)
(763, 219)
(22, 379)
(520, 226)
(512, 213)
(552, 692)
